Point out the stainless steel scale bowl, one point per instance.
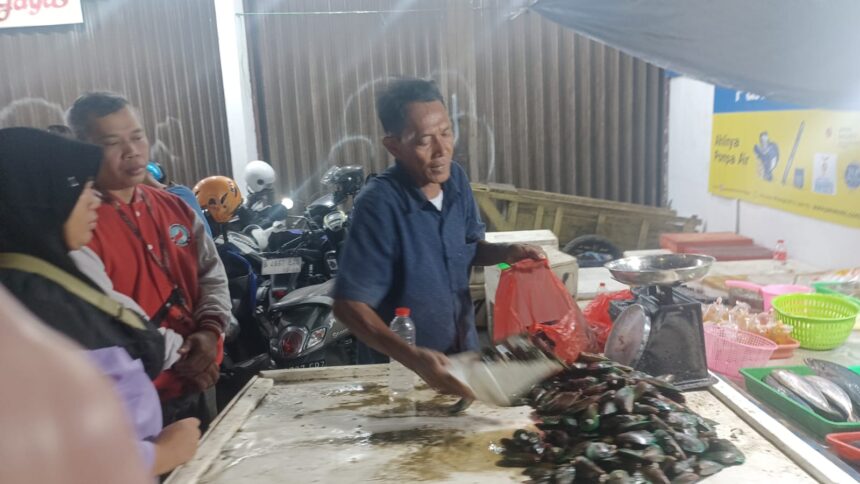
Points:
(669, 269)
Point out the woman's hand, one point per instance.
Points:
(176, 445)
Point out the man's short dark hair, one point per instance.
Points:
(395, 98)
(93, 105)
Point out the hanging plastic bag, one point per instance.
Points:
(597, 314)
(531, 299)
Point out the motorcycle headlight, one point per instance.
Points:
(316, 338)
(334, 221)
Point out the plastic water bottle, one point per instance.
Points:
(401, 380)
(780, 253)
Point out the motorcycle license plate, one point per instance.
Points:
(312, 364)
(286, 265)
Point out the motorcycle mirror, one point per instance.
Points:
(261, 237)
(287, 203)
(249, 230)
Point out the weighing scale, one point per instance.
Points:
(660, 332)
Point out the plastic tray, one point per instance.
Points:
(841, 445)
(807, 419)
(785, 351)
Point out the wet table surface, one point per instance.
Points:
(348, 430)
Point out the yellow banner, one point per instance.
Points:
(798, 160)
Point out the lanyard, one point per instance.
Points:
(176, 297)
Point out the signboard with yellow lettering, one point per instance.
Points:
(805, 161)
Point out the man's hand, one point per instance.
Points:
(518, 252)
(490, 254)
(197, 366)
(205, 379)
(432, 367)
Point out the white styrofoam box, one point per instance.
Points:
(542, 238)
(590, 279)
(563, 265)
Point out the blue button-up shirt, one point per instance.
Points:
(403, 252)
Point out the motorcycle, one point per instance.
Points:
(245, 349)
(281, 280)
(306, 325)
(304, 317)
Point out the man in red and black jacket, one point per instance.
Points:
(156, 251)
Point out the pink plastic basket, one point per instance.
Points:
(729, 349)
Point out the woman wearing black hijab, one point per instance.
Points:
(47, 208)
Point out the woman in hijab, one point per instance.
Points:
(48, 208)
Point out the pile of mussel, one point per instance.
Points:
(600, 421)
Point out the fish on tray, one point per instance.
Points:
(838, 374)
(781, 389)
(810, 393)
(833, 392)
(835, 395)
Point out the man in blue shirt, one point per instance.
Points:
(415, 234)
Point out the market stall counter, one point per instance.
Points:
(339, 425)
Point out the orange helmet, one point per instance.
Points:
(218, 195)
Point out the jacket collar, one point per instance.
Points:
(415, 198)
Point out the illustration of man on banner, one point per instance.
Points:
(767, 153)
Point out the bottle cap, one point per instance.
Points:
(780, 241)
(402, 312)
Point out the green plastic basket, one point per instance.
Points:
(807, 419)
(820, 321)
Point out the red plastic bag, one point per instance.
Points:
(597, 314)
(531, 299)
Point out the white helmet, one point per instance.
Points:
(259, 176)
